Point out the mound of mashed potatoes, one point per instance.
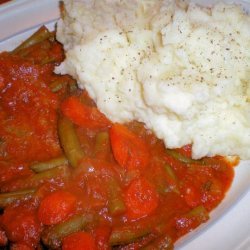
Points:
(182, 69)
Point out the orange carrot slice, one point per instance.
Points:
(56, 207)
(83, 115)
(141, 199)
(129, 150)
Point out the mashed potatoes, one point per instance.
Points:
(181, 69)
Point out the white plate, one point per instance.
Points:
(229, 226)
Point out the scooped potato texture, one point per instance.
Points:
(182, 69)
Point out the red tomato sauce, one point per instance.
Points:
(108, 186)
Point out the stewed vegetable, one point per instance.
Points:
(71, 178)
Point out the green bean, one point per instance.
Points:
(182, 158)
(39, 36)
(116, 204)
(46, 165)
(36, 180)
(172, 178)
(60, 83)
(8, 198)
(53, 236)
(199, 213)
(57, 85)
(101, 138)
(170, 173)
(128, 234)
(69, 141)
(166, 181)
(102, 144)
(162, 243)
(72, 87)
(161, 185)
(48, 59)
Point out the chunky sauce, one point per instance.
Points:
(118, 186)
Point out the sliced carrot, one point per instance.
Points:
(129, 150)
(141, 199)
(56, 207)
(83, 115)
(79, 241)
